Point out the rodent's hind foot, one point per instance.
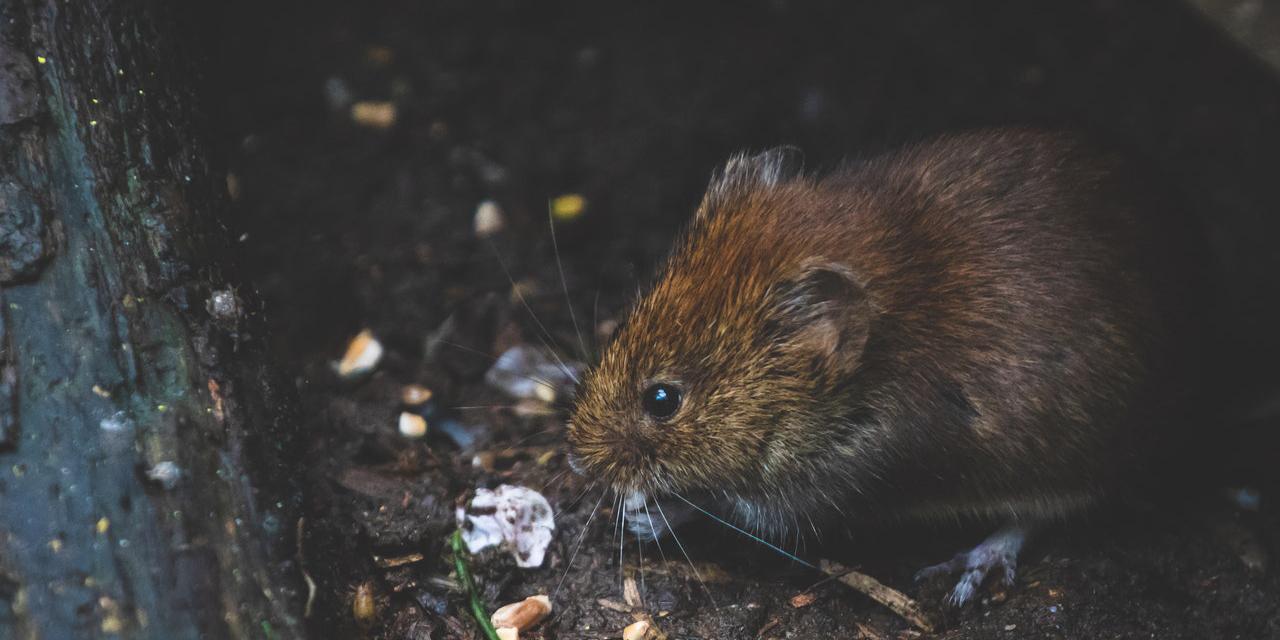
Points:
(997, 552)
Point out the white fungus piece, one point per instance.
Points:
(488, 219)
(412, 425)
(166, 473)
(115, 423)
(527, 373)
(518, 519)
(363, 354)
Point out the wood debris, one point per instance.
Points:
(803, 599)
(894, 600)
(398, 561)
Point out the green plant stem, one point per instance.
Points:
(473, 594)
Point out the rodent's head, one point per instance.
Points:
(721, 377)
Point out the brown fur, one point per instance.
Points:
(965, 327)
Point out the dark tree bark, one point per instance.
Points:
(144, 482)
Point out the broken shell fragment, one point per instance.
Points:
(413, 395)
(524, 614)
(638, 630)
(488, 219)
(412, 425)
(363, 353)
(517, 518)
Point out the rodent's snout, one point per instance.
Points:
(618, 461)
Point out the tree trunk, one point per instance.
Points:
(144, 478)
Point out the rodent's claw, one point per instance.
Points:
(998, 551)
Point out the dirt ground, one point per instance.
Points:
(347, 226)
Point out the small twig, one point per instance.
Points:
(895, 600)
(391, 563)
(473, 594)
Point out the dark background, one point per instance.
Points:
(632, 105)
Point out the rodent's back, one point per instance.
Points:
(1013, 272)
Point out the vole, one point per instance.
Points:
(982, 326)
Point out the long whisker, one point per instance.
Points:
(622, 541)
(552, 480)
(490, 358)
(556, 515)
(464, 347)
(520, 296)
(640, 553)
(578, 546)
(680, 546)
(654, 529)
(762, 541)
(564, 285)
(540, 432)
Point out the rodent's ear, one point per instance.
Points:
(824, 313)
(745, 173)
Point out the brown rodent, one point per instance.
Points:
(979, 326)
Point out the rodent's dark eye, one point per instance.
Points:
(661, 400)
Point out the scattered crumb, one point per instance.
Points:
(374, 114)
(412, 425)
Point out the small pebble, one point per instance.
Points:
(374, 114)
(637, 630)
(224, 305)
(488, 219)
(363, 605)
(166, 473)
(413, 395)
(568, 207)
(412, 425)
(801, 600)
(363, 354)
(337, 94)
(1246, 498)
(379, 56)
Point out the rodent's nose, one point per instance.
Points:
(623, 462)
